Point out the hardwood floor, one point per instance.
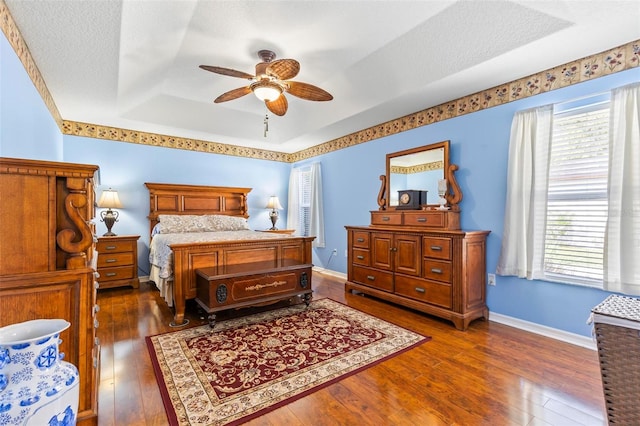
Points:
(490, 374)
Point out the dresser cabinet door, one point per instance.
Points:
(381, 250)
(407, 254)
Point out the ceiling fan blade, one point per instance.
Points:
(308, 91)
(278, 106)
(227, 71)
(283, 69)
(233, 94)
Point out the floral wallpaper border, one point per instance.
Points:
(418, 168)
(608, 62)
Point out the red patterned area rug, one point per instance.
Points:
(248, 366)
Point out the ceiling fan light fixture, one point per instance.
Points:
(266, 90)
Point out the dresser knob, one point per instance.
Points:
(96, 285)
(371, 277)
(360, 257)
(422, 219)
(96, 309)
(436, 270)
(111, 260)
(110, 248)
(436, 248)
(420, 290)
(97, 341)
(96, 324)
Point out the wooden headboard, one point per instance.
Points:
(167, 198)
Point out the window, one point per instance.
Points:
(577, 194)
(572, 211)
(304, 201)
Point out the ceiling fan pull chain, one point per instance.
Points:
(266, 124)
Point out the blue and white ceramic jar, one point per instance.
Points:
(36, 386)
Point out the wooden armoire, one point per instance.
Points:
(47, 259)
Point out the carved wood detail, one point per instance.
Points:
(382, 201)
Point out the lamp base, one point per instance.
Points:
(274, 218)
(109, 217)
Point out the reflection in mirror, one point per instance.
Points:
(417, 171)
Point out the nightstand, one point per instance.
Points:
(118, 261)
(280, 231)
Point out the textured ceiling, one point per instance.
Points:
(134, 64)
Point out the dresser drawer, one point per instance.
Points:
(114, 259)
(361, 239)
(361, 257)
(116, 246)
(425, 219)
(117, 273)
(436, 247)
(373, 278)
(386, 218)
(439, 294)
(437, 270)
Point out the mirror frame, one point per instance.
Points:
(453, 195)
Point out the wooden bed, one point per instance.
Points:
(178, 199)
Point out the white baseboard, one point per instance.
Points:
(554, 333)
(143, 279)
(335, 274)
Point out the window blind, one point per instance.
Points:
(304, 218)
(577, 195)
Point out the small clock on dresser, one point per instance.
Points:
(411, 199)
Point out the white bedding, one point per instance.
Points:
(161, 255)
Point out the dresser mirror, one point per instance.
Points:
(420, 170)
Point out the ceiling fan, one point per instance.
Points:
(271, 80)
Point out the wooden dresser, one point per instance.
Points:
(414, 254)
(440, 272)
(47, 259)
(118, 261)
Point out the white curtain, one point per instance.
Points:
(622, 240)
(316, 226)
(522, 251)
(316, 216)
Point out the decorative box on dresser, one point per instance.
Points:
(118, 261)
(47, 259)
(420, 258)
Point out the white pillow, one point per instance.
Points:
(176, 224)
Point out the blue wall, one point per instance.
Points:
(479, 145)
(27, 129)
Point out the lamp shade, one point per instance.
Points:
(109, 199)
(266, 91)
(274, 203)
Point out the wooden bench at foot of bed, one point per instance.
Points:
(248, 284)
(193, 256)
